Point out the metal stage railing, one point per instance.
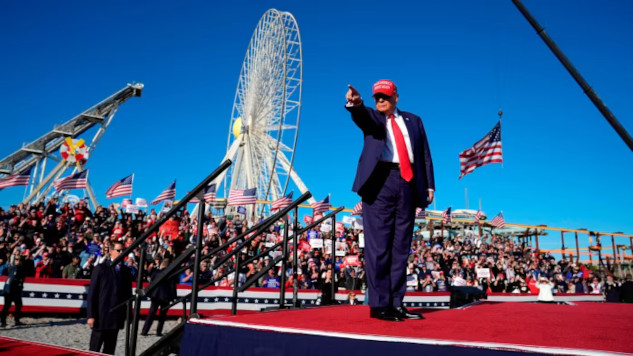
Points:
(131, 335)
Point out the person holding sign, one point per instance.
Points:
(394, 176)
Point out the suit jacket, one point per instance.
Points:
(106, 291)
(374, 127)
(166, 291)
(15, 282)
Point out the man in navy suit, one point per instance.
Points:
(394, 176)
(109, 286)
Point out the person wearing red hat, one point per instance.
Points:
(394, 176)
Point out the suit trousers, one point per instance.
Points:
(154, 307)
(9, 298)
(388, 219)
(105, 338)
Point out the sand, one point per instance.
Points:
(73, 332)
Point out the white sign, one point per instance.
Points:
(340, 249)
(316, 243)
(131, 209)
(361, 240)
(326, 228)
(483, 273)
(347, 219)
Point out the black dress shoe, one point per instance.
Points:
(405, 313)
(386, 314)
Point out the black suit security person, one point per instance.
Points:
(161, 296)
(109, 286)
(13, 292)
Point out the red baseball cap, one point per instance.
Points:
(384, 86)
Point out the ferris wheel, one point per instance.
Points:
(265, 118)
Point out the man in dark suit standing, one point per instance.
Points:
(13, 292)
(394, 176)
(109, 286)
(161, 296)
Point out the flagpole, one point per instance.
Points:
(500, 113)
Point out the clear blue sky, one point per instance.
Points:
(455, 62)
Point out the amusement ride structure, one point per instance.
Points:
(66, 140)
(265, 118)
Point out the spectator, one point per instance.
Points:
(44, 269)
(611, 290)
(545, 290)
(12, 292)
(72, 270)
(626, 290)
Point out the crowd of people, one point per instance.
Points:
(60, 240)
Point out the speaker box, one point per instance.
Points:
(461, 296)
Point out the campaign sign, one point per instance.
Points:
(312, 234)
(352, 260)
(131, 209)
(316, 243)
(241, 210)
(483, 273)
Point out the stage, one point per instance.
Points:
(577, 328)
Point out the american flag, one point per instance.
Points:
(420, 213)
(487, 150)
(321, 206)
(446, 216)
(477, 216)
(358, 209)
(242, 197)
(121, 187)
(16, 180)
(73, 181)
(498, 221)
(282, 202)
(169, 193)
(209, 195)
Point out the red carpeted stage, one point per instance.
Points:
(15, 347)
(583, 328)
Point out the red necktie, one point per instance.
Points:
(405, 165)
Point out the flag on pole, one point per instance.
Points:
(242, 197)
(420, 213)
(169, 193)
(498, 221)
(73, 181)
(141, 202)
(446, 216)
(16, 180)
(282, 202)
(321, 206)
(487, 150)
(121, 187)
(477, 216)
(358, 209)
(209, 193)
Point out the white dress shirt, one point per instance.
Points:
(390, 152)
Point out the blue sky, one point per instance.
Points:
(455, 62)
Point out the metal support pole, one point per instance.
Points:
(562, 243)
(128, 311)
(295, 260)
(334, 289)
(615, 259)
(624, 135)
(196, 262)
(536, 238)
(236, 273)
(284, 260)
(137, 300)
(577, 249)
